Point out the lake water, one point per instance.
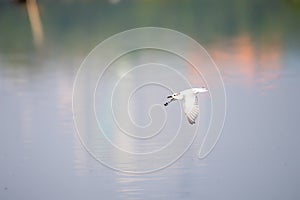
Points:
(255, 45)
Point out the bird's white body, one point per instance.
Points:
(190, 102)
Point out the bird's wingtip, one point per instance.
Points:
(192, 122)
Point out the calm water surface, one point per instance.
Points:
(257, 156)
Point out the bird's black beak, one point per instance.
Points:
(171, 99)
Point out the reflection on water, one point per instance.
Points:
(249, 63)
(253, 45)
(35, 22)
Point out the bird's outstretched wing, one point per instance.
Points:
(191, 107)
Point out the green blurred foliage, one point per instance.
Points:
(77, 26)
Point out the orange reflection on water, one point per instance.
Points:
(248, 62)
(35, 22)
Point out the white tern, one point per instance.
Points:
(190, 102)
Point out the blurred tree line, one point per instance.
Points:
(77, 26)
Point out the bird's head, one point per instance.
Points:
(176, 96)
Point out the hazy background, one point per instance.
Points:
(256, 46)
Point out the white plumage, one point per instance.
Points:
(190, 102)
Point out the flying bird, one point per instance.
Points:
(190, 102)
